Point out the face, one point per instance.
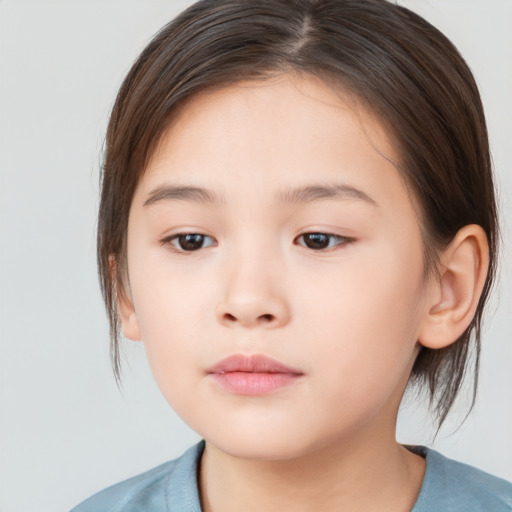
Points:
(275, 269)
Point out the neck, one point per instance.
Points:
(372, 474)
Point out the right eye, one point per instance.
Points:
(189, 242)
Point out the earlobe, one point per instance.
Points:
(125, 308)
(462, 274)
(128, 317)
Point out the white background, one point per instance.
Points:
(65, 429)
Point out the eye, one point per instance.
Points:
(188, 242)
(321, 241)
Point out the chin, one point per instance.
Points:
(258, 449)
(252, 444)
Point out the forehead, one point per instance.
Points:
(303, 101)
(283, 131)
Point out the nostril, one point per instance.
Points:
(262, 318)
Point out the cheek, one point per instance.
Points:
(367, 317)
(175, 315)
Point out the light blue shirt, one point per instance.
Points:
(448, 486)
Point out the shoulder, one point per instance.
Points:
(454, 486)
(168, 487)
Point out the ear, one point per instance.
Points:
(125, 308)
(456, 292)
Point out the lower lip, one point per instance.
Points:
(245, 383)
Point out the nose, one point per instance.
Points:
(253, 297)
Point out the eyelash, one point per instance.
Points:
(176, 241)
(338, 239)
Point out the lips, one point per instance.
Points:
(252, 374)
(251, 364)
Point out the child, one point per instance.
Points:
(298, 220)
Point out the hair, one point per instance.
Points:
(397, 65)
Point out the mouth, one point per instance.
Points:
(252, 374)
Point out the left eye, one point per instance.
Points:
(320, 241)
(189, 242)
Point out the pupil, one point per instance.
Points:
(191, 242)
(317, 240)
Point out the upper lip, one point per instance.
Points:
(256, 363)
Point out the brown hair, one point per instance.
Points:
(398, 65)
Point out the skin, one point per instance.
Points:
(348, 316)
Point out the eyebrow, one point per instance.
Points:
(313, 193)
(180, 193)
(306, 194)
